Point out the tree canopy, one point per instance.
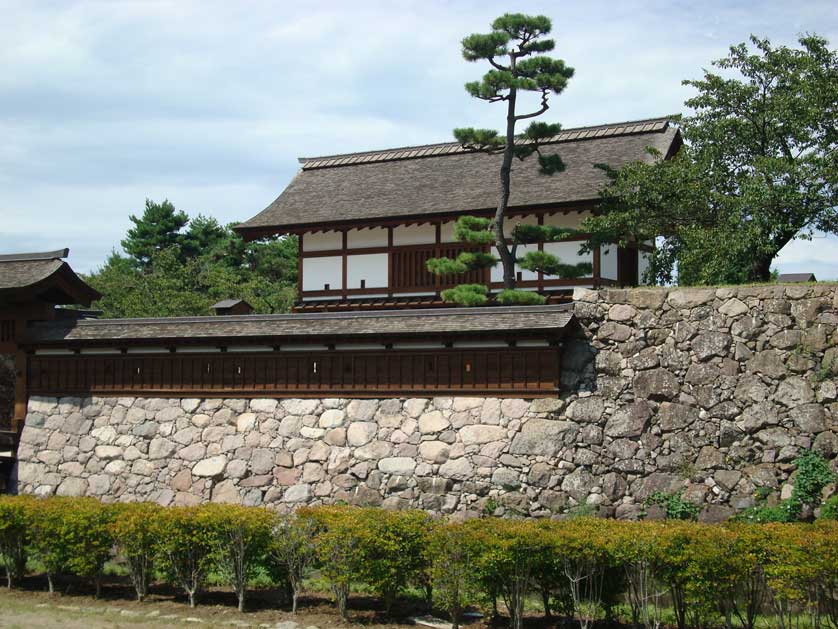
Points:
(758, 169)
(177, 266)
(515, 50)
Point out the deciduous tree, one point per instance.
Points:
(759, 168)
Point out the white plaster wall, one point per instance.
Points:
(446, 233)
(642, 266)
(497, 270)
(510, 222)
(414, 234)
(359, 238)
(320, 271)
(608, 262)
(570, 220)
(370, 267)
(568, 252)
(322, 241)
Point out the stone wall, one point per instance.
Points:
(712, 392)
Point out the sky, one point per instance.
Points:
(208, 104)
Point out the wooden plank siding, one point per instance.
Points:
(519, 371)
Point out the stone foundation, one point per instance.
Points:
(711, 392)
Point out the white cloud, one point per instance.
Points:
(209, 102)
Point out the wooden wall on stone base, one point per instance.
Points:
(709, 392)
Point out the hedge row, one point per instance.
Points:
(706, 575)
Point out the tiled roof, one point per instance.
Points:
(416, 181)
(42, 275)
(796, 277)
(19, 274)
(304, 327)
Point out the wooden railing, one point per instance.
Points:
(410, 273)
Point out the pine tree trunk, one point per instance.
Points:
(506, 257)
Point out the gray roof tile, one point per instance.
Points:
(298, 327)
(448, 179)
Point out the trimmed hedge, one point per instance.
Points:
(686, 573)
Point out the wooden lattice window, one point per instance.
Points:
(7, 331)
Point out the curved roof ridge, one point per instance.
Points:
(436, 148)
(30, 257)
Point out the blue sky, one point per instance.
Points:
(209, 104)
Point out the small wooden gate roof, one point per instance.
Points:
(42, 276)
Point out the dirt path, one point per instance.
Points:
(26, 609)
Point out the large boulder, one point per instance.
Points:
(656, 384)
(540, 437)
(630, 420)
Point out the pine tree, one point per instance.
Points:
(514, 48)
(157, 229)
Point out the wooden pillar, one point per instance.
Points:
(390, 282)
(344, 263)
(21, 394)
(300, 267)
(437, 254)
(596, 264)
(540, 248)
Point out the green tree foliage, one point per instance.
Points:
(515, 49)
(759, 168)
(191, 265)
(476, 232)
(158, 228)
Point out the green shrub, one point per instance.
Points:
(48, 544)
(708, 575)
(242, 536)
(452, 553)
(85, 533)
(338, 543)
(511, 297)
(674, 505)
(813, 474)
(292, 547)
(505, 553)
(392, 550)
(188, 538)
(583, 547)
(466, 295)
(829, 509)
(15, 529)
(136, 532)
